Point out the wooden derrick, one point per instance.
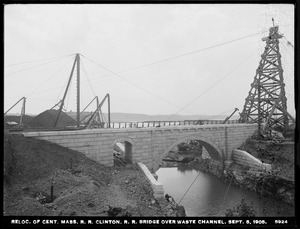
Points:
(266, 102)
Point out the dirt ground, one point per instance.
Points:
(81, 187)
(279, 155)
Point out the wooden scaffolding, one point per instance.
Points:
(266, 102)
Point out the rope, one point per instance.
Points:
(225, 195)
(188, 188)
(48, 79)
(163, 98)
(185, 54)
(136, 85)
(88, 79)
(62, 88)
(26, 62)
(68, 95)
(199, 50)
(33, 67)
(286, 49)
(227, 74)
(288, 42)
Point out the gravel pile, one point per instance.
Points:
(48, 118)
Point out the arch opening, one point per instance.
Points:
(122, 153)
(189, 148)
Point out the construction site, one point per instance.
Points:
(42, 178)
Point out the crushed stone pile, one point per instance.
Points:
(48, 118)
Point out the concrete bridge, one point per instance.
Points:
(150, 145)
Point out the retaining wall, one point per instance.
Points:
(245, 159)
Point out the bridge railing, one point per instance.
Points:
(117, 125)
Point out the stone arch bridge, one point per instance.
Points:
(150, 145)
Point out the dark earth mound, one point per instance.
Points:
(81, 186)
(48, 118)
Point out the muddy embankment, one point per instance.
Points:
(277, 183)
(81, 187)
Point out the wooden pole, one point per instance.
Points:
(63, 100)
(13, 105)
(108, 100)
(78, 90)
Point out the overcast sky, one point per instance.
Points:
(137, 42)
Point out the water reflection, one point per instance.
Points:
(183, 168)
(206, 196)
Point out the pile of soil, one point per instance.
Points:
(81, 187)
(48, 118)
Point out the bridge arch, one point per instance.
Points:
(128, 145)
(212, 148)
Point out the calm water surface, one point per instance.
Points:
(206, 195)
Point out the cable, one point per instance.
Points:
(188, 188)
(225, 195)
(165, 99)
(61, 90)
(124, 71)
(37, 60)
(44, 83)
(189, 53)
(48, 79)
(149, 92)
(199, 50)
(288, 42)
(212, 85)
(69, 94)
(88, 79)
(283, 45)
(33, 67)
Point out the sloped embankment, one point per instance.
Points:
(80, 186)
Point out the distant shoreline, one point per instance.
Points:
(133, 117)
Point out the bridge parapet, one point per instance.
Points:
(165, 123)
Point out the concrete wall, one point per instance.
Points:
(158, 189)
(243, 158)
(150, 145)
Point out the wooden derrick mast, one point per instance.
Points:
(266, 102)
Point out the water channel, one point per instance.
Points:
(206, 195)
